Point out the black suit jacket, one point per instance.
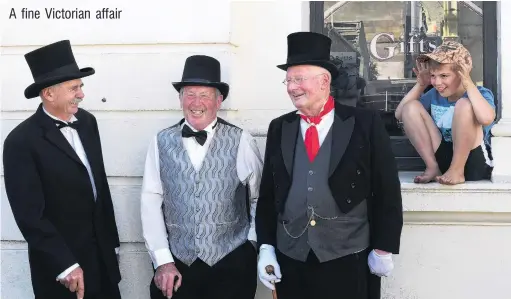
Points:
(52, 200)
(362, 166)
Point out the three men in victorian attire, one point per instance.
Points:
(57, 186)
(329, 214)
(199, 196)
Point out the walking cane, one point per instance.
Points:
(271, 271)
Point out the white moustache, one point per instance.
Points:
(76, 101)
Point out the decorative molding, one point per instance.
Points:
(457, 218)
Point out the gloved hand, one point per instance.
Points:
(380, 265)
(267, 257)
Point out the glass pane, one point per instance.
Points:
(376, 42)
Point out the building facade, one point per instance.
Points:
(454, 239)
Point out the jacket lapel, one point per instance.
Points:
(342, 129)
(54, 136)
(88, 142)
(290, 127)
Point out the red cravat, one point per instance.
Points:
(311, 135)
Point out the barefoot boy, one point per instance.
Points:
(449, 125)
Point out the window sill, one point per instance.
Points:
(406, 178)
(470, 197)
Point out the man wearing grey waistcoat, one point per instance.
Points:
(199, 196)
(329, 215)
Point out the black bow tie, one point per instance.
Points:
(61, 124)
(200, 136)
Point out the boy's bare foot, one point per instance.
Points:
(451, 177)
(427, 176)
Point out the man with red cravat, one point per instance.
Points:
(329, 215)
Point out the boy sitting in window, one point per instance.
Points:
(449, 125)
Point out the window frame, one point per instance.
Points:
(490, 75)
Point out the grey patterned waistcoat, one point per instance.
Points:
(334, 234)
(206, 210)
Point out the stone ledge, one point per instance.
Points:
(406, 178)
(502, 128)
(470, 197)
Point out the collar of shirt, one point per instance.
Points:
(210, 129)
(73, 118)
(326, 119)
(300, 112)
(323, 127)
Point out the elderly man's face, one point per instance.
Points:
(306, 85)
(63, 99)
(200, 105)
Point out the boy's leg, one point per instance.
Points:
(424, 136)
(467, 134)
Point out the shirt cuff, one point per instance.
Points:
(252, 236)
(383, 255)
(66, 273)
(161, 257)
(117, 250)
(267, 247)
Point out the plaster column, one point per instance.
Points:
(501, 142)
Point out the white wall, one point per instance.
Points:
(137, 57)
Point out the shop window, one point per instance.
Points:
(375, 43)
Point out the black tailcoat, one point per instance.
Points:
(362, 166)
(52, 200)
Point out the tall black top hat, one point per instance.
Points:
(53, 64)
(309, 48)
(204, 71)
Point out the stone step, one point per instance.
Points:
(471, 197)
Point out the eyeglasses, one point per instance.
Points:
(201, 96)
(299, 80)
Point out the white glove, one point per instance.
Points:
(267, 257)
(380, 265)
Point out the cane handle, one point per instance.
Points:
(270, 270)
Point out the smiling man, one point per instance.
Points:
(199, 196)
(57, 187)
(329, 215)
(449, 125)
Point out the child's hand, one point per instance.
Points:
(422, 73)
(464, 72)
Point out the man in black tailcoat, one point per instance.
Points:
(329, 215)
(57, 187)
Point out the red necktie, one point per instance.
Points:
(311, 135)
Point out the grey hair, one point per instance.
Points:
(182, 91)
(51, 87)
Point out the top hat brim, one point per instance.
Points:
(329, 66)
(34, 89)
(222, 87)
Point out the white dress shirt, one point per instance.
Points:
(323, 127)
(73, 138)
(249, 166)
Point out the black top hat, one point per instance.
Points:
(309, 48)
(204, 71)
(53, 64)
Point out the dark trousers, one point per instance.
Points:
(233, 277)
(342, 278)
